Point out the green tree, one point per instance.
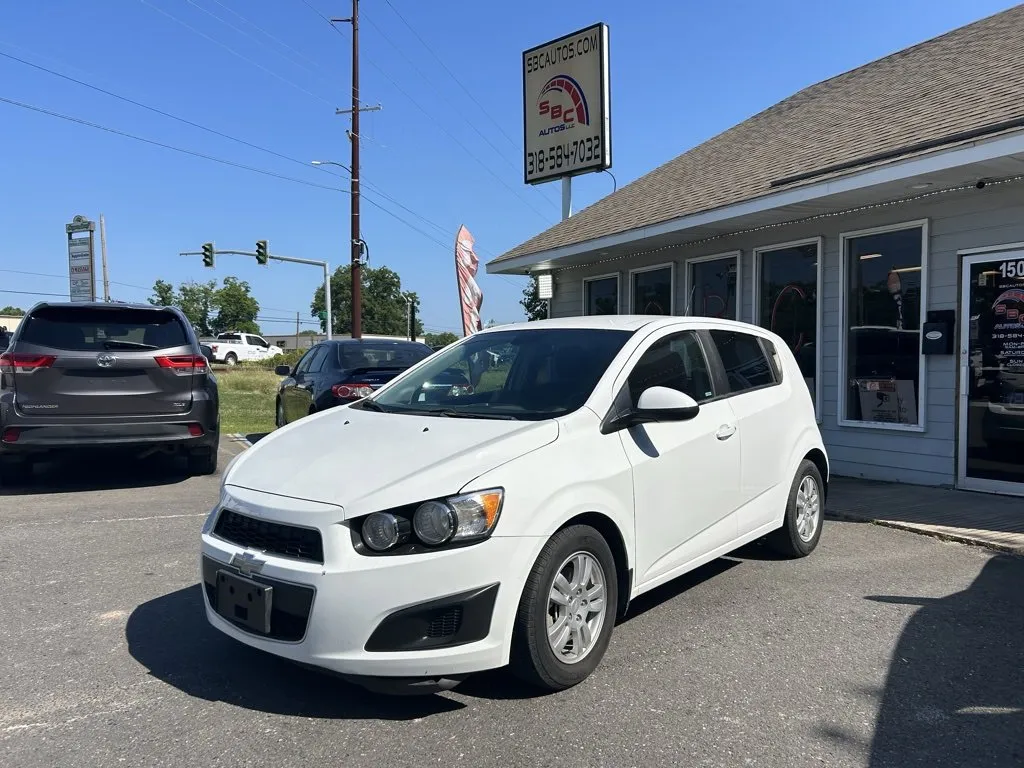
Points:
(196, 300)
(536, 308)
(163, 294)
(440, 339)
(10, 311)
(236, 307)
(384, 309)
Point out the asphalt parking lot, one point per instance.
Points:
(884, 648)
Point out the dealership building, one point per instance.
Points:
(875, 221)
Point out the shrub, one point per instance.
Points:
(289, 358)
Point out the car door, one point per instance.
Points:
(261, 347)
(767, 423)
(290, 393)
(306, 380)
(685, 473)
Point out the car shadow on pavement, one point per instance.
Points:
(98, 472)
(954, 694)
(171, 637)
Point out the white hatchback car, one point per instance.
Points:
(502, 501)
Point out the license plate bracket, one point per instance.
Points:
(244, 601)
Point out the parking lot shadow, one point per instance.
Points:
(98, 472)
(954, 695)
(172, 639)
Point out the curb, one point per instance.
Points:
(923, 531)
(238, 440)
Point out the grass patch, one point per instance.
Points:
(247, 400)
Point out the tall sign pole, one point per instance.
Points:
(103, 258)
(81, 260)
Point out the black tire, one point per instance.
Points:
(279, 414)
(788, 540)
(231, 358)
(204, 463)
(532, 658)
(15, 472)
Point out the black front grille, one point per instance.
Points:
(276, 538)
(445, 624)
(289, 610)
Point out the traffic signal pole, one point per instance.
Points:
(291, 259)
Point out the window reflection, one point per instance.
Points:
(713, 288)
(883, 324)
(601, 296)
(788, 302)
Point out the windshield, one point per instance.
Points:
(370, 355)
(88, 329)
(523, 374)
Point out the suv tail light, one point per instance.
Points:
(355, 391)
(183, 364)
(10, 362)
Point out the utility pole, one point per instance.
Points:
(103, 258)
(296, 330)
(357, 242)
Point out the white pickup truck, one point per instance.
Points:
(232, 347)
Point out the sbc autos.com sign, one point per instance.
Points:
(566, 106)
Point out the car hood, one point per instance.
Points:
(364, 461)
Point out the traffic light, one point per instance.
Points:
(207, 254)
(261, 252)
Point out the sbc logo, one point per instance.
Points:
(563, 103)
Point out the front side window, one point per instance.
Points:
(601, 295)
(745, 363)
(529, 374)
(677, 362)
(87, 329)
(307, 358)
(787, 300)
(316, 362)
(652, 291)
(883, 327)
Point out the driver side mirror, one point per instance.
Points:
(283, 370)
(655, 404)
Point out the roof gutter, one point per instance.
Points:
(964, 154)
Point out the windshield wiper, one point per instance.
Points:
(371, 405)
(453, 414)
(115, 344)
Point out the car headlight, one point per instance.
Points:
(432, 524)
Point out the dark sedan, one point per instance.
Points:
(341, 371)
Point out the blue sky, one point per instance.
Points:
(681, 72)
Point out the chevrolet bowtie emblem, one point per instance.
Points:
(247, 563)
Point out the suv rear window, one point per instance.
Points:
(89, 329)
(381, 355)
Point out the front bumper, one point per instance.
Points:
(434, 615)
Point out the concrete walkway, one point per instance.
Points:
(973, 518)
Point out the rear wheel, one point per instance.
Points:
(203, 463)
(231, 358)
(801, 529)
(15, 471)
(567, 611)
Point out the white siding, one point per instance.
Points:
(972, 219)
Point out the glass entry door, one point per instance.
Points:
(991, 455)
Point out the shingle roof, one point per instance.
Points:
(961, 81)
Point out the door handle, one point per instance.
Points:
(725, 431)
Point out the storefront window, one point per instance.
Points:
(713, 288)
(652, 290)
(883, 327)
(601, 295)
(787, 302)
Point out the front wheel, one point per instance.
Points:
(567, 612)
(279, 417)
(801, 529)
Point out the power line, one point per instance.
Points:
(65, 277)
(433, 119)
(193, 153)
(236, 53)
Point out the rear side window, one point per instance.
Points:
(365, 355)
(744, 360)
(89, 329)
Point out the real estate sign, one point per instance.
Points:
(566, 106)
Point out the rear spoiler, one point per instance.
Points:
(376, 368)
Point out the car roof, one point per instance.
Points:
(364, 340)
(97, 305)
(629, 323)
